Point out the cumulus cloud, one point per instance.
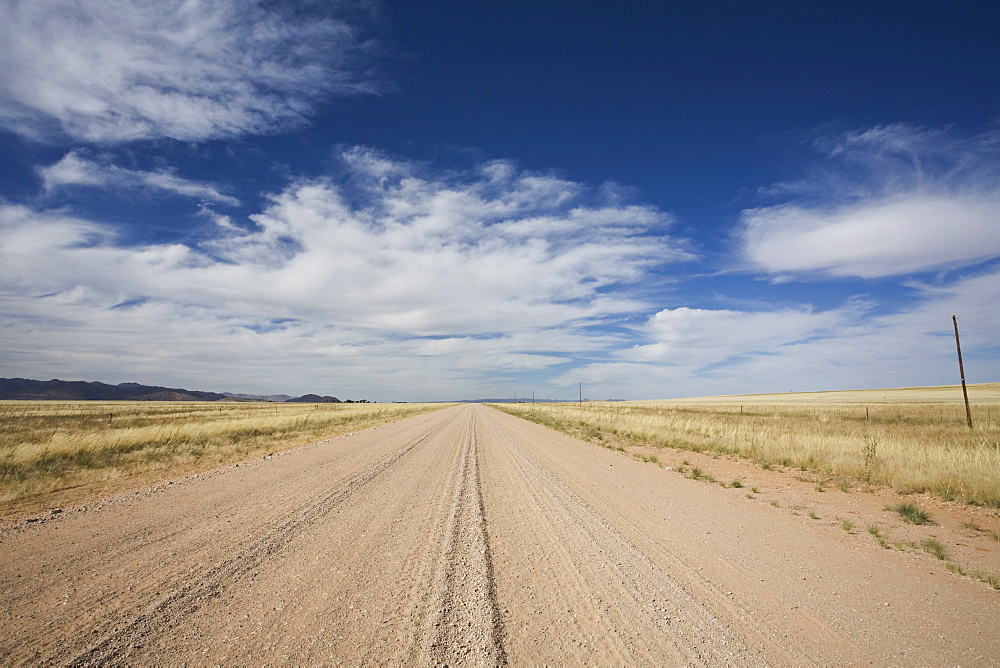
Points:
(74, 169)
(889, 201)
(700, 337)
(121, 70)
(392, 271)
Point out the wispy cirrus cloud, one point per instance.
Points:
(111, 71)
(393, 271)
(889, 201)
(74, 169)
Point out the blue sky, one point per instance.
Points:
(447, 200)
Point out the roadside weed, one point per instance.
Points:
(911, 513)
(876, 533)
(934, 548)
(988, 578)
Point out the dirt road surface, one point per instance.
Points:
(467, 537)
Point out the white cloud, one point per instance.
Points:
(76, 170)
(400, 279)
(699, 337)
(122, 70)
(890, 201)
(695, 352)
(873, 239)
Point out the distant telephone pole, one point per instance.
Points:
(961, 371)
(581, 394)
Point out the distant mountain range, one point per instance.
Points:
(79, 390)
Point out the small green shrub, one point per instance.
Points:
(911, 513)
(934, 548)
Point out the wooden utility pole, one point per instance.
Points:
(961, 371)
(581, 394)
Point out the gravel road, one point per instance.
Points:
(466, 536)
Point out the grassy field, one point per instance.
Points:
(55, 453)
(910, 439)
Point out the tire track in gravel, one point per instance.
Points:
(129, 636)
(467, 628)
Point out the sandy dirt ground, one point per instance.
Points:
(470, 537)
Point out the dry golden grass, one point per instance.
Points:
(52, 453)
(910, 439)
(981, 395)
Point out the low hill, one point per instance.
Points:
(313, 399)
(258, 397)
